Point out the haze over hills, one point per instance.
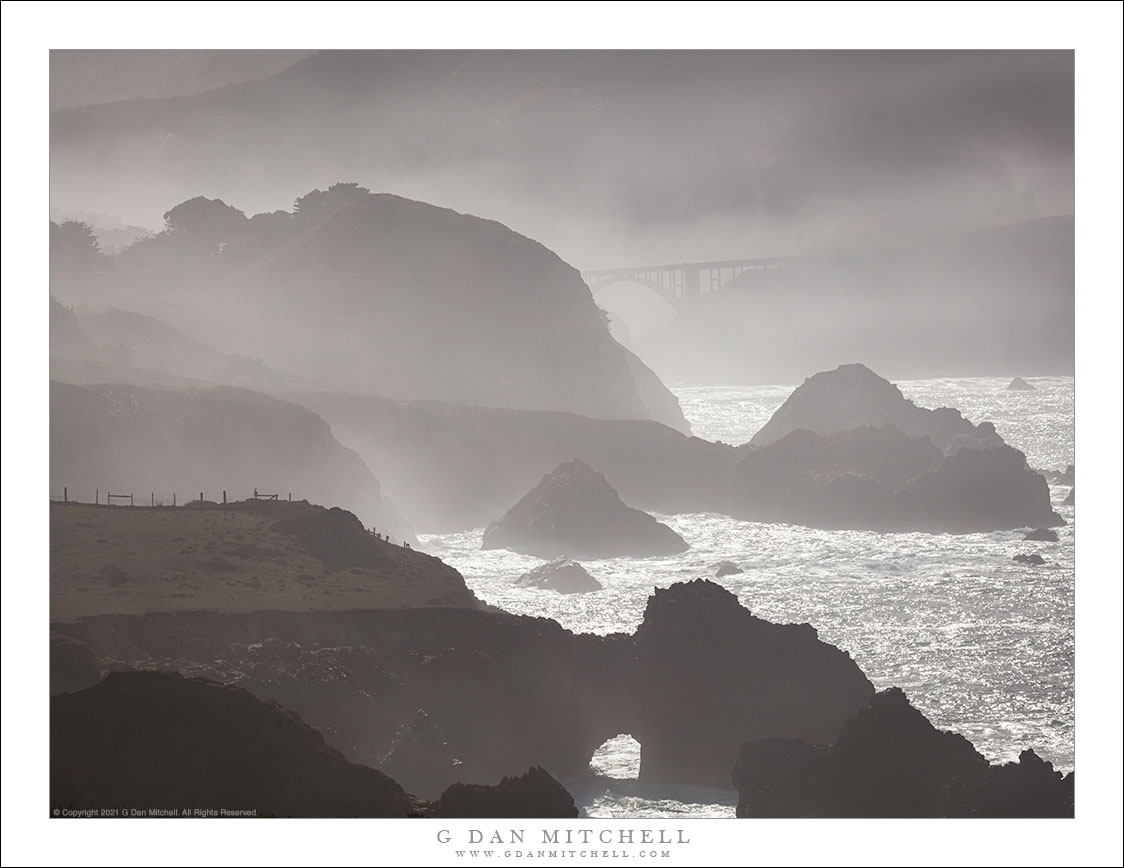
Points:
(612, 158)
(138, 440)
(81, 77)
(972, 304)
(377, 294)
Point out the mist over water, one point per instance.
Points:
(981, 645)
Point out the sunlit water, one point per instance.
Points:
(981, 645)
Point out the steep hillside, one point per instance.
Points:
(412, 301)
(374, 293)
(144, 441)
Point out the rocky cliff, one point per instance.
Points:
(708, 673)
(502, 693)
(890, 761)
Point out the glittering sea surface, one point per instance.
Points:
(981, 645)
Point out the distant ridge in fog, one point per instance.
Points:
(82, 77)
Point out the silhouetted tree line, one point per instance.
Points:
(202, 239)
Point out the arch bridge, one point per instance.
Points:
(681, 284)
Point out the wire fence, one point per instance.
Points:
(130, 498)
(198, 499)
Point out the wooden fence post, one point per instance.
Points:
(152, 498)
(97, 496)
(224, 497)
(173, 498)
(65, 495)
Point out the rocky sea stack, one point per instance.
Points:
(708, 672)
(562, 575)
(1020, 385)
(890, 761)
(575, 512)
(853, 395)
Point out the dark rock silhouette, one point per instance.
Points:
(1028, 788)
(1020, 385)
(1065, 477)
(976, 490)
(853, 396)
(1034, 560)
(883, 479)
(845, 479)
(777, 777)
(1068, 499)
(574, 511)
(534, 794)
(1041, 534)
(562, 575)
(501, 692)
(159, 740)
(708, 673)
(421, 760)
(726, 568)
(890, 761)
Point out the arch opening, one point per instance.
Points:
(617, 758)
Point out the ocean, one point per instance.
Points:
(981, 645)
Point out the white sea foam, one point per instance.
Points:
(982, 645)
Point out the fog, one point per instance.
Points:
(351, 352)
(616, 159)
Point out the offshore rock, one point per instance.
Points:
(562, 575)
(1042, 534)
(726, 568)
(852, 396)
(575, 512)
(1020, 385)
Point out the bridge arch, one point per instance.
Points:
(598, 286)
